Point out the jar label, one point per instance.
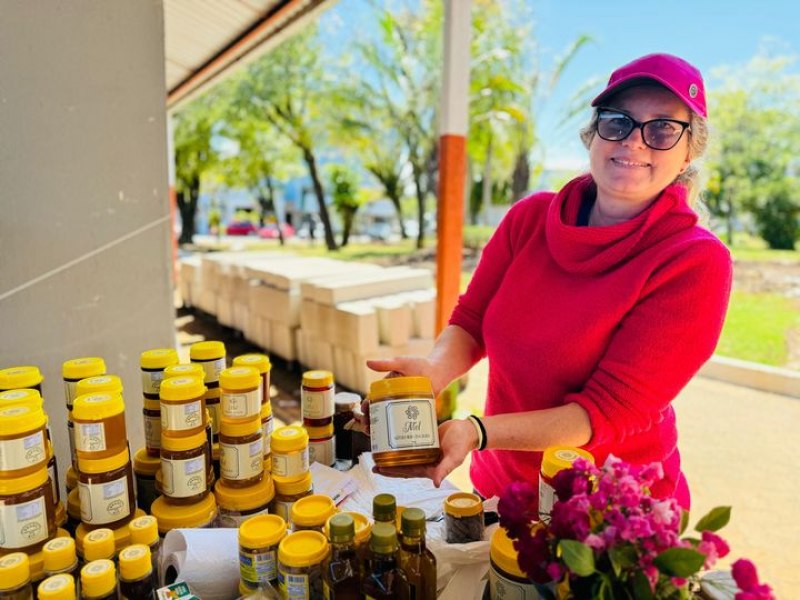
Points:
(403, 424)
(322, 451)
(502, 588)
(152, 432)
(317, 405)
(233, 518)
(241, 461)
(103, 503)
(184, 478)
(258, 567)
(23, 524)
(547, 497)
(293, 587)
(242, 404)
(23, 452)
(90, 437)
(266, 428)
(151, 381)
(212, 368)
(70, 391)
(290, 465)
(179, 417)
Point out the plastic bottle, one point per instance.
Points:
(15, 577)
(144, 530)
(99, 581)
(136, 573)
(57, 587)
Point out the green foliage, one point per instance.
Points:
(715, 520)
(679, 562)
(776, 217)
(344, 192)
(578, 557)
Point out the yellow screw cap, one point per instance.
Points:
(261, 531)
(245, 498)
(160, 358)
(99, 544)
(99, 383)
(198, 514)
(144, 464)
(16, 418)
(302, 549)
(20, 377)
(98, 579)
(207, 350)
(190, 370)
(257, 361)
(96, 406)
(81, 368)
(463, 504)
(289, 438)
(503, 554)
(22, 396)
(394, 386)
(239, 378)
(558, 458)
(144, 530)
(135, 562)
(15, 569)
(317, 379)
(182, 388)
(57, 587)
(59, 554)
(312, 511)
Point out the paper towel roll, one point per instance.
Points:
(206, 559)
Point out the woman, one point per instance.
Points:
(594, 305)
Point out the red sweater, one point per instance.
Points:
(617, 319)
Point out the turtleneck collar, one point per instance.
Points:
(594, 250)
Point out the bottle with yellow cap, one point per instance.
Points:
(98, 544)
(236, 505)
(506, 579)
(289, 453)
(555, 459)
(99, 581)
(185, 465)
(183, 406)
(23, 439)
(241, 451)
(287, 493)
(261, 363)
(316, 398)
(416, 560)
(105, 488)
(16, 378)
(240, 389)
(402, 420)
(57, 587)
(15, 577)
(59, 556)
(382, 577)
(72, 371)
(152, 364)
(211, 356)
(259, 538)
(144, 530)
(341, 573)
(136, 573)
(300, 558)
(99, 419)
(311, 512)
(27, 514)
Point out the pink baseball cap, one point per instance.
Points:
(675, 74)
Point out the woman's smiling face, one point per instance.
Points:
(629, 170)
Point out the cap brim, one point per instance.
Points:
(635, 78)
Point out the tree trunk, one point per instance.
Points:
(729, 221)
(187, 205)
(311, 162)
(521, 177)
(420, 193)
(347, 226)
(395, 198)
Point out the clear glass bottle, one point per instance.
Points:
(382, 577)
(384, 508)
(417, 561)
(341, 575)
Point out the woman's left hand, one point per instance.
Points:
(457, 438)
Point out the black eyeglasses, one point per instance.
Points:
(658, 134)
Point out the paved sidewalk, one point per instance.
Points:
(737, 450)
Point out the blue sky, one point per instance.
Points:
(708, 33)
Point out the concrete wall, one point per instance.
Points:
(84, 232)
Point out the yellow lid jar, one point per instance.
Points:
(152, 364)
(300, 556)
(321, 445)
(506, 579)
(17, 378)
(105, 488)
(187, 370)
(402, 418)
(98, 544)
(289, 447)
(259, 537)
(463, 518)
(27, 512)
(136, 572)
(23, 448)
(287, 493)
(99, 419)
(57, 587)
(241, 446)
(555, 459)
(211, 356)
(240, 393)
(185, 467)
(261, 363)
(145, 468)
(316, 397)
(312, 512)
(15, 576)
(183, 406)
(99, 580)
(202, 514)
(72, 371)
(239, 504)
(59, 555)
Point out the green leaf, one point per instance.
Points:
(679, 562)
(641, 587)
(578, 557)
(715, 520)
(622, 557)
(684, 521)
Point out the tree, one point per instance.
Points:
(344, 191)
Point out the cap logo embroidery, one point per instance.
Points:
(693, 91)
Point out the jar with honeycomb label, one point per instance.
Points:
(100, 430)
(105, 488)
(184, 468)
(183, 406)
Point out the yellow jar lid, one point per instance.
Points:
(317, 379)
(81, 368)
(182, 388)
(144, 464)
(260, 362)
(394, 386)
(209, 350)
(57, 587)
(122, 535)
(190, 370)
(17, 485)
(558, 458)
(59, 554)
(292, 488)
(99, 383)
(160, 358)
(302, 549)
(239, 378)
(318, 433)
(102, 465)
(503, 554)
(362, 524)
(19, 418)
(178, 444)
(289, 439)
(266, 410)
(312, 511)
(135, 562)
(144, 530)
(463, 504)
(99, 544)
(15, 378)
(261, 531)
(198, 514)
(245, 498)
(74, 504)
(229, 427)
(15, 569)
(72, 478)
(96, 406)
(21, 396)
(98, 579)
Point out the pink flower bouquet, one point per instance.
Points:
(609, 538)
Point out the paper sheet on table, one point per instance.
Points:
(333, 483)
(206, 559)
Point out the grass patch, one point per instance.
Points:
(756, 328)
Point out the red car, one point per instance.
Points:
(241, 228)
(270, 232)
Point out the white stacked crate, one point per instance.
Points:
(190, 284)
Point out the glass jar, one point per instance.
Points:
(72, 371)
(200, 515)
(321, 445)
(211, 356)
(27, 513)
(15, 577)
(238, 504)
(555, 459)
(98, 544)
(506, 579)
(289, 447)
(17, 378)
(287, 493)
(23, 449)
(261, 363)
(240, 393)
(241, 446)
(152, 364)
(316, 397)
(59, 555)
(311, 512)
(402, 421)
(183, 407)
(58, 587)
(363, 529)
(300, 556)
(99, 581)
(105, 488)
(99, 420)
(463, 518)
(184, 468)
(144, 530)
(145, 468)
(266, 427)
(136, 573)
(259, 538)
